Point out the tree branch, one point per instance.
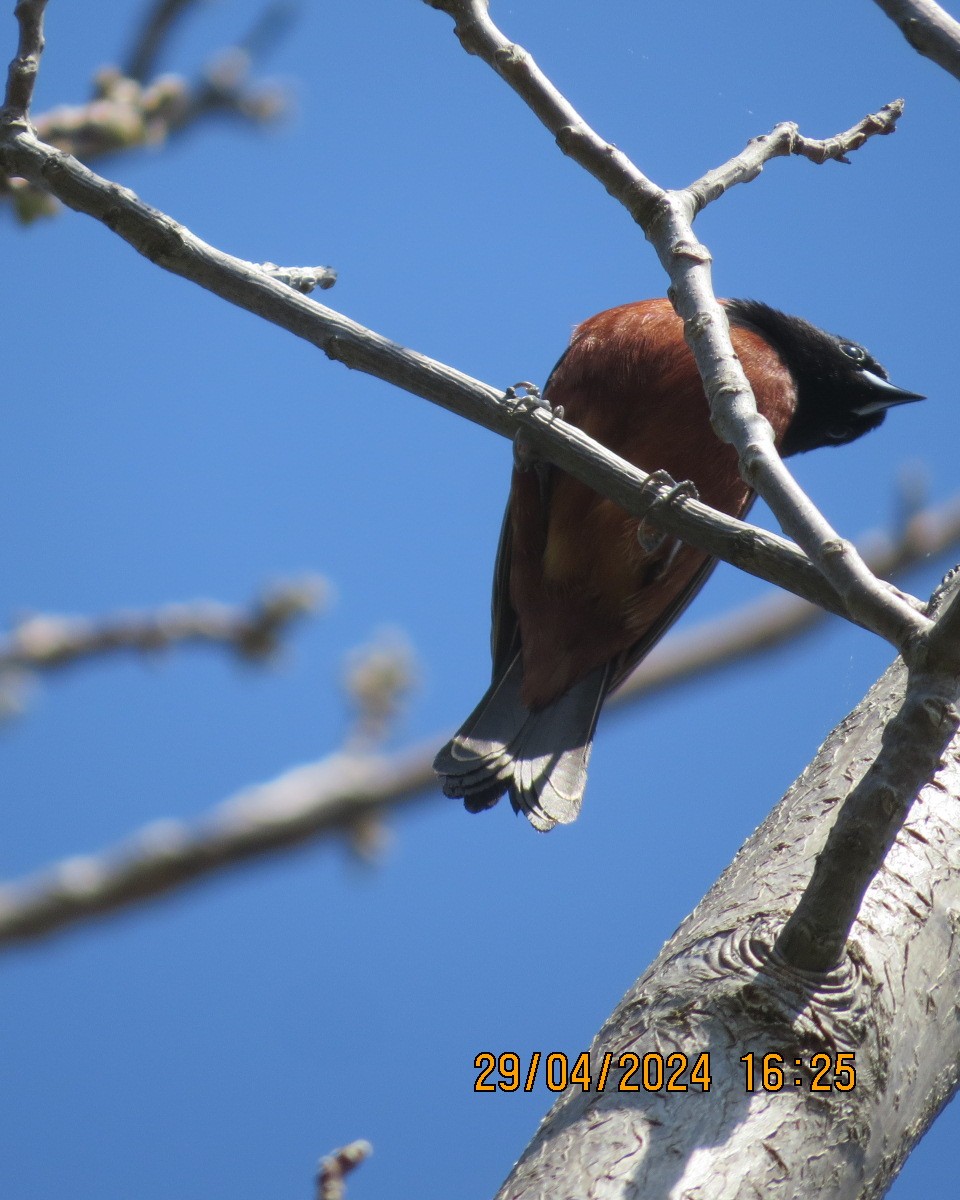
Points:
(337, 794)
(172, 246)
(22, 75)
(929, 29)
(127, 111)
(778, 619)
(333, 1170)
(786, 139)
(666, 218)
(914, 741)
(124, 113)
(48, 641)
(342, 794)
(718, 987)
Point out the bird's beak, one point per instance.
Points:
(886, 395)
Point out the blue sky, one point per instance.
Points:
(161, 445)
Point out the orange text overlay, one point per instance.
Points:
(655, 1072)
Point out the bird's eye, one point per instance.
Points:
(853, 351)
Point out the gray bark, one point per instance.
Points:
(718, 987)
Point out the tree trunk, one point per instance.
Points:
(716, 990)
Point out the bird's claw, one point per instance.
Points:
(651, 539)
(526, 397)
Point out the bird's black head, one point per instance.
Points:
(842, 391)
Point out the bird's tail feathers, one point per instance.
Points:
(540, 757)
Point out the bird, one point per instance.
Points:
(581, 593)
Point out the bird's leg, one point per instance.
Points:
(651, 539)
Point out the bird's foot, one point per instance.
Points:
(525, 398)
(652, 539)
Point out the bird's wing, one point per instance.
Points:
(625, 662)
(504, 629)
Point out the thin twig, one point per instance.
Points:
(929, 29)
(344, 793)
(785, 139)
(666, 218)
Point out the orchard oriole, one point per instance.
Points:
(578, 599)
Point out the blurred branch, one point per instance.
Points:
(378, 679)
(128, 110)
(344, 793)
(307, 802)
(929, 29)
(45, 641)
(334, 1169)
(124, 113)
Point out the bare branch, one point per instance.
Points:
(334, 1169)
(718, 989)
(610, 166)
(22, 74)
(929, 29)
(172, 246)
(786, 139)
(47, 641)
(666, 218)
(914, 741)
(324, 797)
(347, 793)
(127, 112)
